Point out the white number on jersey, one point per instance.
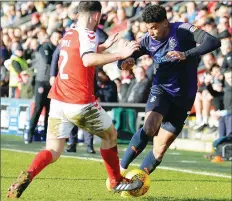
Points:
(63, 54)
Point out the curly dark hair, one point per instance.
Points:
(154, 13)
(89, 6)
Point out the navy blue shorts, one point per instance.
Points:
(175, 110)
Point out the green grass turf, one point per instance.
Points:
(173, 158)
(78, 180)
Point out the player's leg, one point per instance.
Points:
(93, 119)
(53, 150)
(160, 144)
(140, 138)
(170, 129)
(156, 109)
(109, 153)
(58, 131)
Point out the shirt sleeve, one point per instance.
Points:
(88, 42)
(207, 42)
(54, 64)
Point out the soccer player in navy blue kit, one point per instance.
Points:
(176, 55)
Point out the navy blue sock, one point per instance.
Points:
(137, 144)
(149, 163)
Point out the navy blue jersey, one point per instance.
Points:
(178, 78)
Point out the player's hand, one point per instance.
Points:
(111, 40)
(128, 49)
(176, 55)
(128, 64)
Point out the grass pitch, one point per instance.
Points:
(73, 179)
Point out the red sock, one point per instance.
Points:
(41, 160)
(111, 160)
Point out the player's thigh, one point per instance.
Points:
(156, 109)
(152, 123)
(58, 126)
(89, 117)
(175, 119)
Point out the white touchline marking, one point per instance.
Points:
(174, 153)
(134, 164)
(188, 161)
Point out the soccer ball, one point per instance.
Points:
(133, 175)
(142, 176)
(108, 184)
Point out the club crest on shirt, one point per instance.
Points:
(153, 98)
(172, 43)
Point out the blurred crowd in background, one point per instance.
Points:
(31, 31)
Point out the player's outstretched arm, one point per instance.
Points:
(208, 43)
(108, 43)
(98, 59)
(194, 35)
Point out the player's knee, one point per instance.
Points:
(110, 134)
(113, 137)
(159, 151)
(150, 131)
(55, 155)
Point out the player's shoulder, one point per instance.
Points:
(144, 40)
(70, 33)
(86, 33)
(185, 26)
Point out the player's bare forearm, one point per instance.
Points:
(96, 59)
